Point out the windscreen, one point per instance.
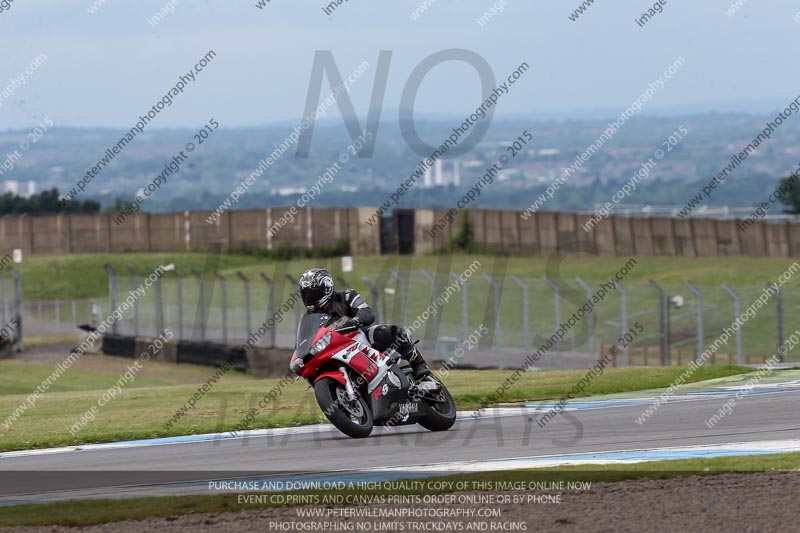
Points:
(309, 325)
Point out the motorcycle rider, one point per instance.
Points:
(318, 295)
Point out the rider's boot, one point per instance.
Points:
(407, 349)
(419, 368)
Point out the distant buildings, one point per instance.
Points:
(438, 177)
(13, 186)
(288, 191)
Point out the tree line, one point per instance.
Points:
(45, 203)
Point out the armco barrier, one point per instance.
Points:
(167, 354)
(211, 354)
(268, 362)
(191, 352)
(119, 345)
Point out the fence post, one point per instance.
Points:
(6, 312)
(737, 311)
(464, 305)
(557, 314)
(432, 279)
(373, 291)
(271, 308)
(247, 312)
(179, 283)
(294, 283)
(623, 310)
(526, 317)
(134, 283)
(17, 304)
(590, 319)
(401, 285)
(662, 325)
(201, 302)
(379, 307)
(224, 284)
(5, 300)
(159, 308)
(498, 330)
(112, 292)
(700, 337)
(779, 303)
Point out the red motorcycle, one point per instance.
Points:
(358, 387)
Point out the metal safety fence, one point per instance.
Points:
(481, 320)
(11, 310)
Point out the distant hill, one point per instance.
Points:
(216, 167)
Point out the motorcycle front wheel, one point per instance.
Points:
(351, 417)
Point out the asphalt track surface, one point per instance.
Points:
(323, 453)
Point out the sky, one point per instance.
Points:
(104, 69)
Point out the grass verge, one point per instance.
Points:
(81, 276)
(88, 512)
(145, 412)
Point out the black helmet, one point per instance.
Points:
(316, 288)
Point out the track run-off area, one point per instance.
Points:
(597, 430)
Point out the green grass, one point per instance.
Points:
(87, 512)
(33, 341)
(98, 373)
(82, 276)
(554, 384)
(21, 379)
(141, 412)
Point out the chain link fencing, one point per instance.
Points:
(479, 320)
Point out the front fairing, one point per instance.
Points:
(307, 332)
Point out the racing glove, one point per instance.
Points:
(353, 323)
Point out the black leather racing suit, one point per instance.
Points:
(349, 303)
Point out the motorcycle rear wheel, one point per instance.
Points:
(354, 420)
(440, 415)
